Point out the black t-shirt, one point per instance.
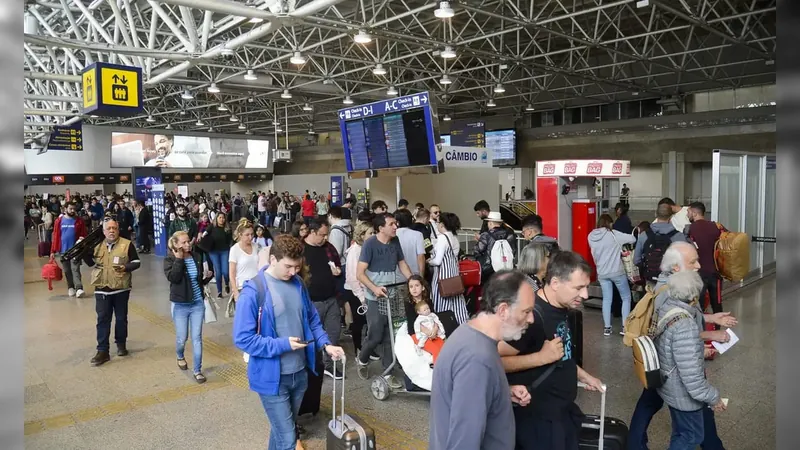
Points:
(558, 392)
(323, 284)
(347, 214)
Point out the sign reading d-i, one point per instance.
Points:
(112, 90)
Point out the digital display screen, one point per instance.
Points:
(144, 178)
(445, 139)
(504, 146)
(389, 134)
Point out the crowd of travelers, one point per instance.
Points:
(300, 273)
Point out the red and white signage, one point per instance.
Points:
(598, 168)
(58, 179)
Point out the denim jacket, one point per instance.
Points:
(265, 349)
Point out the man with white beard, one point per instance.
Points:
(471, 401)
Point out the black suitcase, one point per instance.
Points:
(611, 431)
(311, 399)
(575, 319)
(348, 432)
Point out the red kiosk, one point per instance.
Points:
(569, 195)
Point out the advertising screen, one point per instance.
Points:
(144, 178)
(187, 152)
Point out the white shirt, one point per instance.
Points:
(680, 219)
(174, 160)
(246, 265)
(413, 244)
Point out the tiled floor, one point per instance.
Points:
(144, 402)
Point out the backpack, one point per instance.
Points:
(645, 357)
(346, 233)
(640, 321)
(501, 257)
(732, 254)
(653, 252)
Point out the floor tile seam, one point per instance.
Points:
(85, 415)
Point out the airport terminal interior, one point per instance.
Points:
(545, 120)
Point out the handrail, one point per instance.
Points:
(519, 208)
(466, 239)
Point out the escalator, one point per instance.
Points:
(513, 212)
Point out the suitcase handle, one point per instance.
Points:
(602, 427)
(340, 422)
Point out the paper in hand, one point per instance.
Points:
(723, 347)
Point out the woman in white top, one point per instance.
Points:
(445, 265)
(322, 208)
(243, 257)
(354, 290)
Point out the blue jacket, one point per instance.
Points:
(265, 349)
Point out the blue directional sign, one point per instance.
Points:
(393, 133)
(68, 138)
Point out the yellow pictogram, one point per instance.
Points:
(120, 87)
(89, 88)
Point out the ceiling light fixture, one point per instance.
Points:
(446, 118)
(530, 108)
(379, 70)
(168, 127)
(308, 107)
(278, 129)
(256, 20)
(234, 118)
(311, 131)
(491, 103)
(499, 89)
(200, 123)
(347, 100)
(250, 75)
(183, 112)
(298, 59)
(222, 107)
(251, 99)
(444, 11)
(362, 37)
(150, 119)
(448, 52)
(242, 126)
(187, 95)
(445, 79)
(392, 91)
(248, 132)
(210, 129)
(213, 89)
(286, 94)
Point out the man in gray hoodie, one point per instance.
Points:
(686, 390)
(650, 246)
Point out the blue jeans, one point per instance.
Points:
(648, 405)
(282, 410)
(687, 429)
(184, 315)
(607, 286)
(220, 262)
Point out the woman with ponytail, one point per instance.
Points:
(184, 270)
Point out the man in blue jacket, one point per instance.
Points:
(278, 327)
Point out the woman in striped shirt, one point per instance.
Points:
(184, 270)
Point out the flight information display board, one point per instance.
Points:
(389, 134)
(504, 146)
(467, 133)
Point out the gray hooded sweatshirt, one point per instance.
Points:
(606, 248)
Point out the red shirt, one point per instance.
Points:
(705, 234)
(309, 208)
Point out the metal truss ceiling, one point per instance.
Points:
(544, 53)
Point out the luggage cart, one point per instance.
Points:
(391, 306)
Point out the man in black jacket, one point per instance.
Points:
(145, 226)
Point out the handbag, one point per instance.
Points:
(230, 309)
(450, 287)
(631, 270)
(211, 306)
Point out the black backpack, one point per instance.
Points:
(653, 252)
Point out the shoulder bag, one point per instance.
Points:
(450, 287)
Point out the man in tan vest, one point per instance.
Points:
(113, 261)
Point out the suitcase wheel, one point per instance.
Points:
(380, 388)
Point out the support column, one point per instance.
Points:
(398, 191)
(673, 172)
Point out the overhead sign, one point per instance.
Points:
(468, 133)
(66, 138)
(597, 168)
(112, 90)
(384, 106)
(466, 157)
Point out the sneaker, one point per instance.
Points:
(100, 358)
(393, 383)
(622, 332)
(79, 293)
(347, 332)
(374, 357)
(336, 374)
(363, 370)
(607, 331)
(219, 296)
(71, 292)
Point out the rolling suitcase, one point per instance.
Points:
(348, 432)
(575, 319)
(311, 399)
(601, 432)
(43, 249)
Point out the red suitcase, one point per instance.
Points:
(43, 249)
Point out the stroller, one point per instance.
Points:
(392, 307)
